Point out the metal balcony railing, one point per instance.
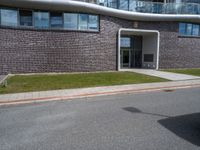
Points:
(149, 7)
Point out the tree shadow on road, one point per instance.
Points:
(185, 126)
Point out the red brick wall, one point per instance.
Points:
(26, 50)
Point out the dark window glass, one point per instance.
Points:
(71, 21)
(56, 20)
(9, 17)
(25, 18)
(148, 57)
(182, 28)
(83, 22)
(195, 30)
(41, 19)
(93, 22)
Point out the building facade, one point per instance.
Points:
(81, 36)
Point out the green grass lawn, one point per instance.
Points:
(195, 72)
(27, 83)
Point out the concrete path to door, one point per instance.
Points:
(163, 74)
(2, 78)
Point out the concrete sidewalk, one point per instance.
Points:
(30, 97)
(163, 74)
(2, 78)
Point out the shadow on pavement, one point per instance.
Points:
(185, 126)
(135, 110)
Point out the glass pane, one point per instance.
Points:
(70, 21)
(9, 17)
(92, 1)
(56, 20)
(189, 29)
(125, 42)
(93, 22)
(182, 28)
(83, 21)
(41, 19)
(112, 3)
(195, 30)
(123, 4)
(25, 18)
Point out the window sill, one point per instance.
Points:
(188, 36)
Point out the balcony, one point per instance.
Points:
(149, 7)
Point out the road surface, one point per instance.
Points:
(166, 120)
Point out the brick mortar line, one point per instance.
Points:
(55, 98)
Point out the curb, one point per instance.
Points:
(59, 98)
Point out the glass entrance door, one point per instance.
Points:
(137, 51)
(131, 52)
(125, 58)
(125, 52)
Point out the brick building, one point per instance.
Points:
(77, 36)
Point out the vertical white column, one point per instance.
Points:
(158, 50)
(119, 61)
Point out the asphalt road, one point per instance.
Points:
(167, 120)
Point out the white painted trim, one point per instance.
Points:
(119, 44)
(77, 6)
(138, 31)
(158, 50)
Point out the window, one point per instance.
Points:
(56, 20)
(71, 21)
(112, 3)
(9, 17)
(93, 22)
(189, 29)
(83, 22)
(195, 30)
(123, 4)
(125, 42)
(182, 27)
(41, 20)
(25, 18)
(48, 20)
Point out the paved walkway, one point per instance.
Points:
(30, 97)
(2, 77)
(163, 74)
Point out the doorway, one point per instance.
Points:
(131, 52)
(141, 44)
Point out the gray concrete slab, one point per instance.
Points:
(151, 121)
(2, 78)
(163, 74)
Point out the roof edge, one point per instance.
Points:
(77, 6)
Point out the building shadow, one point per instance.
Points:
(185, 126)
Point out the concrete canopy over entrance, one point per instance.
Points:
(150, 46)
